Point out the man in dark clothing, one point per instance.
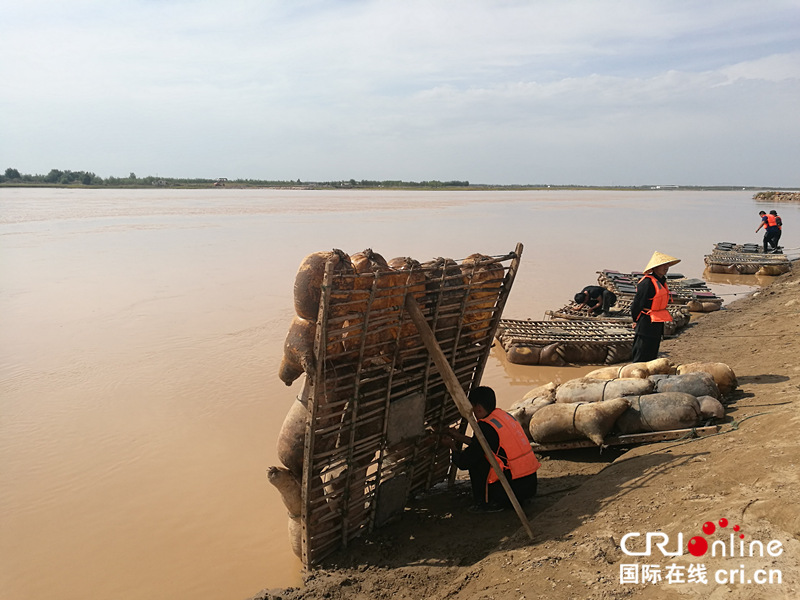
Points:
(772, 231)
(649, 308)
(779, 223)
(598, 298)
(514, 454)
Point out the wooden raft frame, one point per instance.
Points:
(624, 285)
(631, 438)
(620, 313)
(566, 335)
(376, 401)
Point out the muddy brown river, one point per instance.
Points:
(140, 337)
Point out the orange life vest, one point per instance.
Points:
(771, 220)
(658, 312)
(519, 459)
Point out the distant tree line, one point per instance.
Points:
(370, 183)
(57, 177)
(87, 178)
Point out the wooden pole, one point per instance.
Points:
(460, 398)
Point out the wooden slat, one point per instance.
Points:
(632, 438)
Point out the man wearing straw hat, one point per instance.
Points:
(649, 307)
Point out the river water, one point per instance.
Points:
(140, 337)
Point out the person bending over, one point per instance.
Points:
(598, 298)
(510, 446)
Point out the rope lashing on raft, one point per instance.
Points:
(574, 412)
(603, 392)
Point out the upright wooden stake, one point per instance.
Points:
(460, 398)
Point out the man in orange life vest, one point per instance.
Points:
(511, 447)
(649, 307)
(779, 222)
(772, 230)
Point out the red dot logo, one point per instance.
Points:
(698, 546)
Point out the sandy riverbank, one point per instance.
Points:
(588, 500)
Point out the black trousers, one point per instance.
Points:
(645, 348)
(771, 239)
(604, 303)
(523, 487)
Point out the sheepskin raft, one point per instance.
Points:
(745, 259)
(620, 313)
(693, 294)
(560, 343)
(354, 445)
(630, 439)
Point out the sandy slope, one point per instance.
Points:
(749, 473)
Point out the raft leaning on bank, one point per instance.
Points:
(353, 445)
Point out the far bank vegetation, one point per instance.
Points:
(775, 196)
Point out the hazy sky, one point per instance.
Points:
(625, 92)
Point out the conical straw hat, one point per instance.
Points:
(658, 259)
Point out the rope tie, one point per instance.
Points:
(641, 415)
(603, 393)
(574, 412)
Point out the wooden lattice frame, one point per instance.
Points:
(367, 365)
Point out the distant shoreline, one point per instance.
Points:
(773, 194)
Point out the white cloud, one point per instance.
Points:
(390, 89)
(774, 68)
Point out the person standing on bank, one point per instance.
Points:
(511, 448)
(649, 307)
(771, 230)
(779, 223)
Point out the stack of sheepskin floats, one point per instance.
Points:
(633, 398)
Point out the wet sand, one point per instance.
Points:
(140, 339)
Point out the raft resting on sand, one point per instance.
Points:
(745, 259)
(693, 294)
(559, 343)
(644, 402)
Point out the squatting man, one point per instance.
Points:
(511, 447)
